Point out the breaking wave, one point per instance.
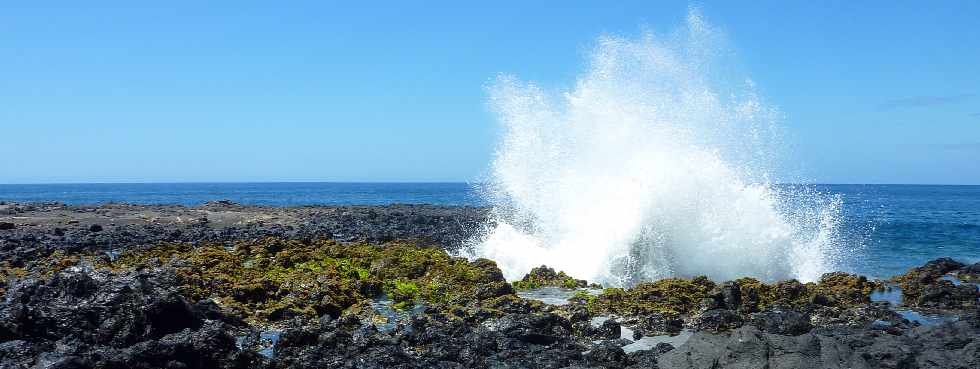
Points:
(655, 164)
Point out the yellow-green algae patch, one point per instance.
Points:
(671, 296)
(274, 279)
(43, 267)
(264, 281)
(675, 296)
(544, 276)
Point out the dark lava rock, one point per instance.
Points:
(969, 273)
(782, 321)
(83, 318)
(655, 324)
(4, 226)
(950, 345)
(716, 320)
(609, 329)
(926, 287)
(727, 295)
(606, 354)
(940, 266)
(140, 225)
(430, 341)
(944, 294)
(540, 328)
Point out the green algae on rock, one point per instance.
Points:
(932, 286)
(674, 298)
(671, 296)
(274, 279)
(544, 276)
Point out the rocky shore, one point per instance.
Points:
(230, 286)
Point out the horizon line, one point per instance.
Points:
(427, 182)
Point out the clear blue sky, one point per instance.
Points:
(873, 92)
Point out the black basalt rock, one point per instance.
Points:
(608, 355)
(782, 321)
(609, 329)
(716, 320)
(539, 329)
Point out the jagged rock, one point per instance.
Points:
(727, 295)
(944, 294)
(542, 328)
(925, 287)
(970, 273)
(606, 354)
(105, 319)
(544, 276)
(950, 345)
(716, 320)
(782, 321)
(609, 329)
(174, 306)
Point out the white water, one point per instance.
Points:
(653, 165)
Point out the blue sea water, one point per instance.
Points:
(272, 194)
(891, 227)
(902, 226)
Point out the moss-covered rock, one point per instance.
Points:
(702, 303)
(672, 296)
(923, 286)
(275, 279)
(843, 289)
(544, 276)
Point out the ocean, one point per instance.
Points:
(889, 228)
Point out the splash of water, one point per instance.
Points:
(653, 165)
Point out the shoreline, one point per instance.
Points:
(232, 286)
(102, 227)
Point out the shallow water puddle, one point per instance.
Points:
(645, 342)
(388, 317)
(268, 340)
(555, 295)
(893, 295)
(926, 319)
(649, 342)
(954, 280)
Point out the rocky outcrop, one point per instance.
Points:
(950, 345)
(935, 286)
(312, 303)
(82, 318)
(47, 227)
(543, 276)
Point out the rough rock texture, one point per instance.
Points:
(543, 276)
(29, 229)
(934, 286)
(82, 318)
(950, 345)
(226, 296)
(969, 273)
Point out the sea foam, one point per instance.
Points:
(654, 164)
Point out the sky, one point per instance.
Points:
(871, 92)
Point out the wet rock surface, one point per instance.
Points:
(309, 302)
(938, 285)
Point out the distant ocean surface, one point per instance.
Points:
(272, 194)
(892, 227)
